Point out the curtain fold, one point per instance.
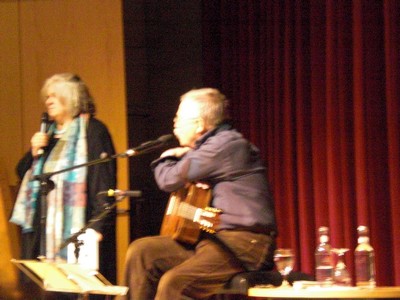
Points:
(315, 85)
(392, 78)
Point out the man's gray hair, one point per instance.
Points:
(213, 105)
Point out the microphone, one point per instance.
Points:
(43, 128)
(118, 193)
(150, 145)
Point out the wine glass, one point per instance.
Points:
(341, 275)
(284, 261)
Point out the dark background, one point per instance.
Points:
(163, 49)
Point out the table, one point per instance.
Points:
(325, 293)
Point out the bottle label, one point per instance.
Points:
(326, 260)
(364, 266)
(363, 240)
(323, 239)
(324, 268)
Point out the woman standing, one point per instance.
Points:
(73, 138)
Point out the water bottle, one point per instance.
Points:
(324, 259)
(364, 259)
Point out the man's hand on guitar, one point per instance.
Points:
(202, 185)
(177, 152)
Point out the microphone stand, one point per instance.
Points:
(74, 238)
(46, 185)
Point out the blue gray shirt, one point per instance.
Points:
(232, 167)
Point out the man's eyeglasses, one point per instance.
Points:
(179, 121)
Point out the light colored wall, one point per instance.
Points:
(10, 89)
(42, 37)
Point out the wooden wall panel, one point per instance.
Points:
(11, 142)
(9, 242)
(10, 91)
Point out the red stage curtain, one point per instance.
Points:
(315, 85)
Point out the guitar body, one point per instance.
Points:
(178, 221)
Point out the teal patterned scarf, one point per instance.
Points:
(66, 203)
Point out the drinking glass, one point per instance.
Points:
(284, 261)
(341, 275)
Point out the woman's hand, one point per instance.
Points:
(38, 141)
(177, 152)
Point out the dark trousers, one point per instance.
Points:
(160, 268)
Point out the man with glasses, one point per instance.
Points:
(215, 155)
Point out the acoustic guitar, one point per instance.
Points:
(188, 213)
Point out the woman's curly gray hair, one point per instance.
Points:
(71, 89)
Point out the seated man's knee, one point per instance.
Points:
(170, 281)
(134, 249)
(139, 254)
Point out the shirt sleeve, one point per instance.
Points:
(197, 165)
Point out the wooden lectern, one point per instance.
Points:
(68, 278)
